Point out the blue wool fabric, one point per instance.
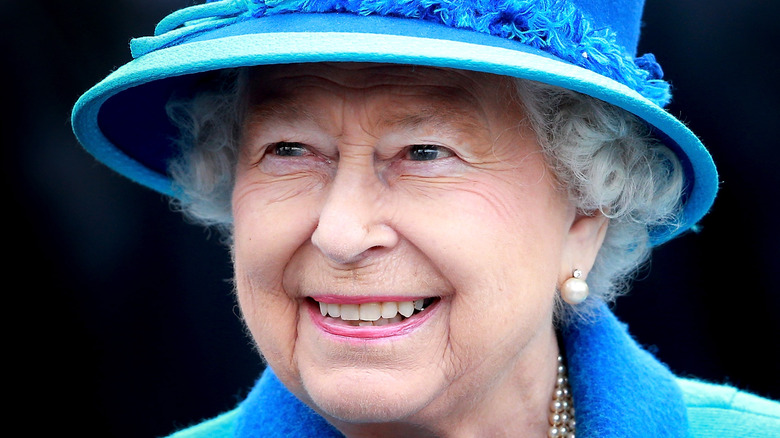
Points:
(599, 35)
(620, 391)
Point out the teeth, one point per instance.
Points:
(406, 308)
(372, 313)
(350, 312)
(389, 309)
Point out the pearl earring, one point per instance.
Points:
(575, 290)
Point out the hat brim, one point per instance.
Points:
(122, 120)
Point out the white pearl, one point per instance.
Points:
(561, 417)
(574, 291)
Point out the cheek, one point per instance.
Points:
(270, 224)
(500, 246)
(267, 233)
(499, 228)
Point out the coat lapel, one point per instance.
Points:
(619, 389)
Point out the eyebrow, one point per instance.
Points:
(280, 108)
(437, 116)
(292, 110)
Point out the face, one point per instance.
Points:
(398, 240)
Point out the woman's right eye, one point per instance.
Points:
(286, 157)
(289, 149)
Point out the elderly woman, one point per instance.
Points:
(428, 206)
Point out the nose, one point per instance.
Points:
(352, 222)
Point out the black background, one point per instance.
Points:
(120, 317)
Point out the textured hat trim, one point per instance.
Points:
(556, 27)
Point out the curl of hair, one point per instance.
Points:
(604, 157)
(203, 170)
(607, 161)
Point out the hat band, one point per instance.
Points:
(552, 26)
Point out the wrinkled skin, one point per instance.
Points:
(363, 180)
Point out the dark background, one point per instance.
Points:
(121, 320)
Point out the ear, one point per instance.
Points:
(582, 244)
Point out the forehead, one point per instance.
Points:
(407, 94)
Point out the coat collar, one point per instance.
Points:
(620, 390)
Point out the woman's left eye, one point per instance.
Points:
(428, 152)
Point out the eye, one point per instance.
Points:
(288, 149)
(428, 152)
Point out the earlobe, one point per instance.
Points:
(585, 237)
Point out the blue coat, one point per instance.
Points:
(609, 373)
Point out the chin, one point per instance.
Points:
(367, 396)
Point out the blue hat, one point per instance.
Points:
(584, 45)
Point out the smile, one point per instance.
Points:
(376, 313)
(370, 319)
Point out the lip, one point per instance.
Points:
(404, 327)
(336, 299)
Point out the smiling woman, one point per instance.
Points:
(428, 207)
(367, 234)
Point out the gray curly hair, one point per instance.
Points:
(604, 157)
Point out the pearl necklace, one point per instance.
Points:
(562, 423)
